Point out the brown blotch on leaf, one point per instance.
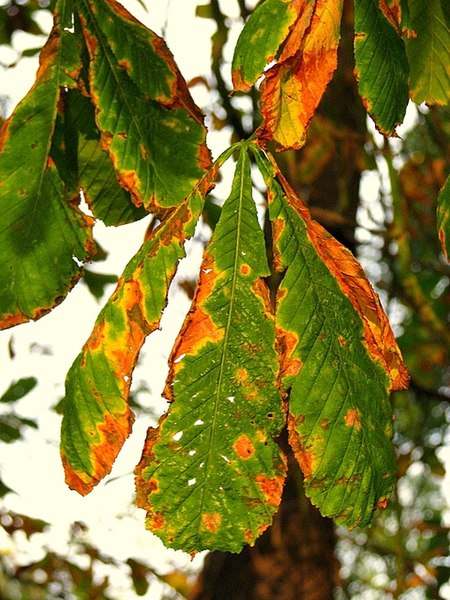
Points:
(271, 487)
(245, 269)
(243, 447)
(211, 521)
(342, 341)
(156, 521)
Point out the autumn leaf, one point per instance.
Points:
(144, 111)
(381, 66)
(211, 475)
(292, 88)
(44, 236)
(339, 360)
(428, 51)
(97, 417)
(443, 218)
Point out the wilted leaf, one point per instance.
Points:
(43, 234)
(381, 66)
(339, 358)
(443, 218)
(428, 51)
(211, 475)
(143, 108)
(97, 418)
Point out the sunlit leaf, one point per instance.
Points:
(428, 51)
(381, 66)
(211, 475)
(443, 218)
(43, 235)
(97, 417)
(143, 108)
(340, 359)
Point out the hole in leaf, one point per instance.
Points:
(192, 481)
(199, 422)
(177, 436)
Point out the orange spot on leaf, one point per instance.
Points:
(243, 447)
(271, 487)
(352, 419)
(212, 521)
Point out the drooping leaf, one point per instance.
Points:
(18, 389)
(381, 66)
(97, 417)
(42, 230)
(339, 359)
(143, 108)
(293, 87)
(211, 475)
(428, 51)
(443, 218)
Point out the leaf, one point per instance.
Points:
(143, 108)
(97, 417)
(340, 360)
(381, 67)
(428, 51)
(265, 31)
(443, 218)
(293, 87)
(42, 230)
(95, 173)
(18, 389)
(211, 475)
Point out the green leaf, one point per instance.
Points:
(381, 66)
(97, 417)
(43, 235)
(428, 51)
(94, 171)
(18, 389)
(96, 282)
(143, 108)
(443, 218)
(339, 359)
(266, 29)
(211, 475)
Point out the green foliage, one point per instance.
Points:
(284, 331)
